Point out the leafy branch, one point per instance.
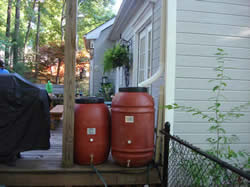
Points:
(219, 141)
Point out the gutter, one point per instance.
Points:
(162, 47)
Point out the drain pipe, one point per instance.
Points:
(162, 48)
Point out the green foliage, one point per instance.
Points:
(220, 143)
(93, 13)
(22, 68)
(106, 91)
(4, 42)
(3, 17)
(117, 56)
(50, 22)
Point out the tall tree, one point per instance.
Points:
(6, 56)
(16, 33)
(52, 54)
(93, 13)
(38, 35)
(62, 20)
(29, 24)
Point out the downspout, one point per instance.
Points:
(162, 48)
(152, 1)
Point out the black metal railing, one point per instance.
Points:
(187, 165)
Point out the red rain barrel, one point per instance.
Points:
(91, 138)
(132, 127)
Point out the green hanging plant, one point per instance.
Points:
(117, 56)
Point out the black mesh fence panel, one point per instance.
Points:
(187, 165)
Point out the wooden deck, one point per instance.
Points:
(43, 168)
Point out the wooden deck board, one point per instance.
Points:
(44, 168)
(76, 179)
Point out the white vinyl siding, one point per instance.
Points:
(202, 27)
(101, 44)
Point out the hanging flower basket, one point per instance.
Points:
(118, 56)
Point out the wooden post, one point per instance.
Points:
(160, 122)
(69, 83)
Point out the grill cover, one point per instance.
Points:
(24, 117)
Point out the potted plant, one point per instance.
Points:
(118, 56)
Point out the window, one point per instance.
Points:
(91, 45)
(145, 53)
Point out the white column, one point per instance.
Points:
(117, 81)
(170, 63)
(91, 78)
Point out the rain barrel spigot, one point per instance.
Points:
(91, 159)
(128, 163)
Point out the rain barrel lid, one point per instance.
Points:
(133, 89)
(89, 100)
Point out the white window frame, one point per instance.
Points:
(141, 21)
(91, 44)
(147, 34)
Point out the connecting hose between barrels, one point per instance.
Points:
(149, 167)
(96, 171)
(99, 175)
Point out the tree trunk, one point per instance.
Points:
(58, 71)
(7, 54)
(29, 25)
(16, 34)
(62, 18)
(37, 37)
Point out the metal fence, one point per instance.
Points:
(187, 165)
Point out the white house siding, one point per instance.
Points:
(100, 46)
(202, 27)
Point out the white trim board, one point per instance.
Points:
(170, 62)
(91, 78)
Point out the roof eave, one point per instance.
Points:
(126, 12)
(106, 25)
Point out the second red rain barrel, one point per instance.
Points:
(132, 127)
(91, 138)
